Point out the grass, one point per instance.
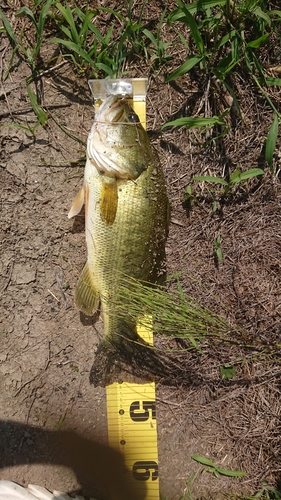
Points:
(265, 492)
(216, 470)
(224, 37)
(221, 187)
(227, 37)
(175, 314)
(178, 316)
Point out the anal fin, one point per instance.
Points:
(77, 204)
(87, 298)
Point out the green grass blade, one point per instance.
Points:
(42, 17)
(263, 15)
(209, 178)
(103, 40)
(36, 4)
(203, 461)
(40, 113)
(194, 343)
(180, 289)
(25, 11)
(150, 36)
(109, 70)
(184, 68)
(177, 14)
(255, 44)
(275, 13)
(195, 122)
(225, 66)
(249, 174)
(231, 473)
(271, 141)
(218, 252)
(67, 32)
(78, 50)
(272, 81)
(189, 19)
(227, 371)
(67, 14)
(87, 20)
(8, 28)
(108, 36)
(257, 63)
(22, 127)
(226, 38)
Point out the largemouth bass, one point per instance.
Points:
(126, 215)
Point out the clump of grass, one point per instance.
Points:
(21, 45)
(218, 471)
(224, 37)
(92, 49)
(227, 36)
(31, 52)
(221, 187)
(177, 315)
(89, 48)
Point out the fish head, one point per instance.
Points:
(118, 145)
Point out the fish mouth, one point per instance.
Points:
(112, 110)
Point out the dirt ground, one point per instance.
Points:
(46, 351)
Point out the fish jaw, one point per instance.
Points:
(114, 110)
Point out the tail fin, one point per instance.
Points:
(125, 357)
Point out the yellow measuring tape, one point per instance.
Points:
(132, 429)
(131, 408)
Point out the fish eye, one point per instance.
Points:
(133, 118)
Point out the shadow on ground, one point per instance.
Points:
(99, 469)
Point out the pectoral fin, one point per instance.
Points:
(109, 201)
(78, 203)
(87, 298)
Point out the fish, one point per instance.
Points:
(126, 218)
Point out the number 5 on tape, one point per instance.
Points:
(132, 429)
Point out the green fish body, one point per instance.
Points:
(126, 214)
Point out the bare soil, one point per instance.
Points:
(46, 350)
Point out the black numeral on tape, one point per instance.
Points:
(143, 471)
(141, 416)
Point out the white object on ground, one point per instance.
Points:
(13, 491)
